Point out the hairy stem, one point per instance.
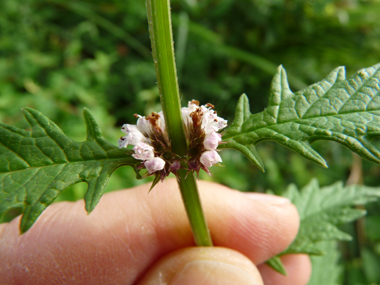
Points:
(161, 37)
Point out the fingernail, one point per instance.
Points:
(268, 199)
(211, 272)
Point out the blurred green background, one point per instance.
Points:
(59, 56)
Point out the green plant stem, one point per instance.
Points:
(189, 191)
(161, 37)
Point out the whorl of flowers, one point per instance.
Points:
(152, 146)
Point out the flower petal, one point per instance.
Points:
(144, 126)
(123, 142)
(133, 135)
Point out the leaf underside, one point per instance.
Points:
(37, 165)
(345, 110)
(322, 210)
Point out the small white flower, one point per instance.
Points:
(212, 140)
(133, 136)
(209, 158)
(143, 151)
(211, 122)
(154, 164)
(144, 126)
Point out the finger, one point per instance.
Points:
(129, 230)
(203, 266)
(298, 268)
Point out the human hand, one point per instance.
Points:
(133, 237)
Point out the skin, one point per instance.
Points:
(133, 237)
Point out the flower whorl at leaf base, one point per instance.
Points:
(152, 146)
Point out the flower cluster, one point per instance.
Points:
(152, 146)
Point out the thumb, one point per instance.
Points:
(203, 266)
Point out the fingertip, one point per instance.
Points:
(203, 265)
(257, 225)
(298, 268)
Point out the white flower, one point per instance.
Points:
(152, 145)
(154, 164)
(133, 136)
(212, 140)
(144, 126)
(210, 121)
(143, 151)
(209, 158)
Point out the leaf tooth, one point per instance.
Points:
(92, 126)
(36, 118)
(368, 151)
(95, 189)
(276, 264)
(34, 209)
(280, 89)
(249, 151)
(302, 147)
(242, 112)
(311, 154)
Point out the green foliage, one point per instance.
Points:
(326, 269)
(37, 165)
(276, 263)
(371, 265)
(339, 109)
(60, 56)
(321, 210)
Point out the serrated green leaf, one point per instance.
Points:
(346, 110)
(326, 268)
(321, 210)
(37, 165)
(242, 114)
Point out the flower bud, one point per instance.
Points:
(154, 164)
(209, 158)
(143, 151)
(212, 140)
(175, 166)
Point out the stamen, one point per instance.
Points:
(196, 102)
(210, 105)
(153, 118)
(196, 116)
(135, 115)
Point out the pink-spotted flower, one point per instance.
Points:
(152, 146)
